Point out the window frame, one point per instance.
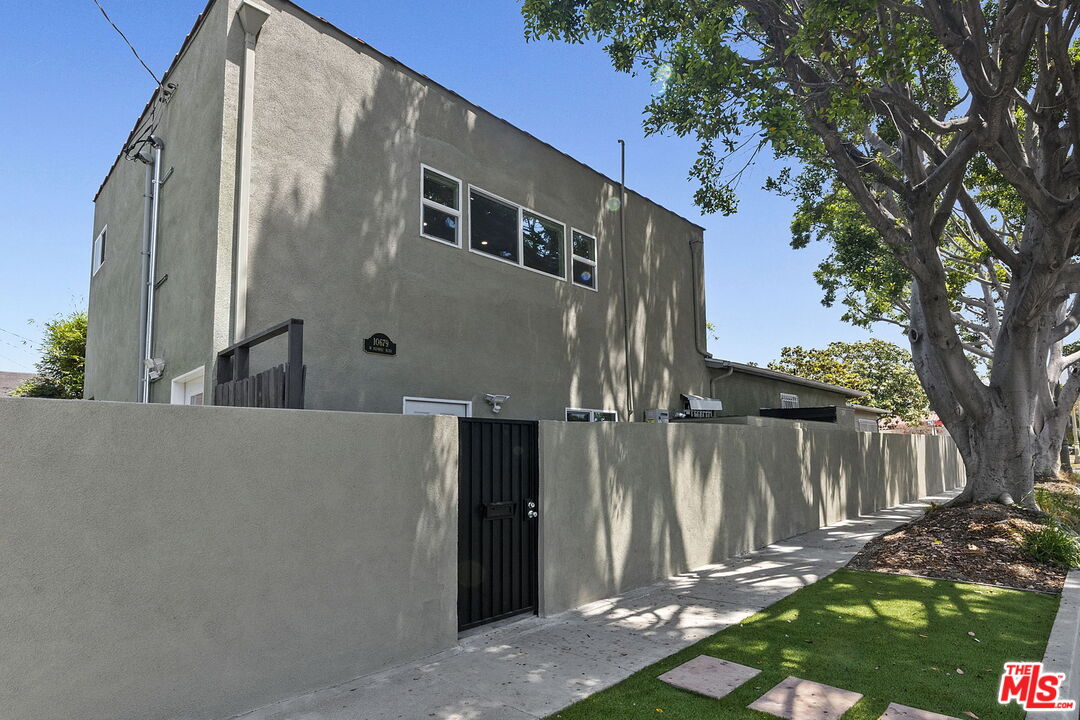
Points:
(424, 202)
(521, 209)
(574, 256)
(178, 386)
(98, 251)
(467, 404)
(521, 242)
(788, 397)
(592, 412)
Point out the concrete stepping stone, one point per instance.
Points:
(709, 676)
(798, 699)
(903, 712)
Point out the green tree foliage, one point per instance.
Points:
(880, 368)
(933, 144)
(63, 360)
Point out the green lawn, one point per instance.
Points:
(891, 638)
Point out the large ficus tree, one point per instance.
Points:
(933, 142)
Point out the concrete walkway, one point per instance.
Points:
(534, 667)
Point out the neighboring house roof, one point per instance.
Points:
(785, 377)
(202, 16)
(867, 408)
(11, 380)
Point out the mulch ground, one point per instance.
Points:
(977, 543)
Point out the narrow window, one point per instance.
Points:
(493, 226)
(542, 244)
(584, 260)
(787, 400)
(99, 250)
(440, 207)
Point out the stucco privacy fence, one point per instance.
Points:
(195, 562)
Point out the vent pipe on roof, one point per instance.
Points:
(251, 15)
(625, 286)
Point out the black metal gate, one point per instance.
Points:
(497, 520)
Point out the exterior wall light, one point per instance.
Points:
(496, 401)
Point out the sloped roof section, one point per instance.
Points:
(785, 377)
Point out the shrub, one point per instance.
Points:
(1054, 545)
(1062, 507)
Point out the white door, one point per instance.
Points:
(434, 406)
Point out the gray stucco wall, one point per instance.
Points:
(191, 126)
(745, 394)
(169, 562)
(627, 504)
(339, 135)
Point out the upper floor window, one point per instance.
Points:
(493, 226)
(788, 400)
(440, 206)
(98, 258)
(583, 271)
(519, 236)
(542, 243)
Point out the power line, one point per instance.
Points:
(133, 50)
(21, 337)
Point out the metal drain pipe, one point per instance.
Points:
(148, 290)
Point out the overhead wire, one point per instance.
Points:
(133, 50)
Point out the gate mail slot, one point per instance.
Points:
(499, 510)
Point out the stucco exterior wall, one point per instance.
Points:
(339, 135)
(628, 504)
(183, 562)
(744, 394)
(191, 126)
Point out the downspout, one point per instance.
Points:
(698, 327)
(625, 285)
(251, 15)
(144, 272)
(712, 381)
(151, 267)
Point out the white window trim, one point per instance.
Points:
(587, 261)
(95, 261)
(459, 214)
(176, 395)
(467, 404)
(789, 397)
(590, 410)
(520, 263)
(521, 242)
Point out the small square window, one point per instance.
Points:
(583, 264)
(98, 258)
(440, 207)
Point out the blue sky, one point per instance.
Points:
(71, 90)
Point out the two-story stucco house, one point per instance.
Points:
(440, 257)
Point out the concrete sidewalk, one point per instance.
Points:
(534, 667)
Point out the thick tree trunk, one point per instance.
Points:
(999, 458)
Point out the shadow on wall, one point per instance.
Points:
(335, 241)
(638, 503)
(232, 575)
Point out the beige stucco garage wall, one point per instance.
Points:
(625, 505)
(166, 562)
